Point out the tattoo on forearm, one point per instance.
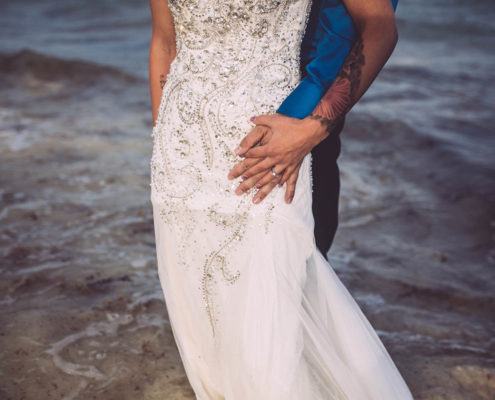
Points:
(328, 123)
(353, 69)
(342, 95)
(162, 80)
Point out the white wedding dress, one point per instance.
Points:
(256, 311)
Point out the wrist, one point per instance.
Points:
(320, 125)
(329, 124)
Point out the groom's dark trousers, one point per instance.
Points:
(326, 189)
(329, 36)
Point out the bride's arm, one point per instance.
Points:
(162, 50)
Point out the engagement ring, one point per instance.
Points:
(274, 173)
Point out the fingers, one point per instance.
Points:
(269, 177)
(262, 166)
(267, 134)
(288, 171)
(248, 183)
(250, 140)
(258, 151)
(241, 167)
(291, 185)
(263, 120)
(261, 149)
(260, 133)
(266, 181)
(263, 192)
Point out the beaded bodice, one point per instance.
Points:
(235, 59)
(226, 28)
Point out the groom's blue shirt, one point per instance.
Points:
(329, 36)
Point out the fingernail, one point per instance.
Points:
(252, 118)
(258, 185)
(280, 184)
(238, 149)
(256, 200)
(238, 191)
(244, 177)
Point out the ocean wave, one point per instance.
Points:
(29, 64)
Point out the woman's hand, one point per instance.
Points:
(283, 144)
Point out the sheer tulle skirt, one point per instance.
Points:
(287, 329)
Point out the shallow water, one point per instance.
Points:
(82, 313)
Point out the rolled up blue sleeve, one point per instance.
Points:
(323, 53)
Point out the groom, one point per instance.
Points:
(345, 45)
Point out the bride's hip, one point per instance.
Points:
(195, 189)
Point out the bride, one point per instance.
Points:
(256, 311)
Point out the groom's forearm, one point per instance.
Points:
(376, 40)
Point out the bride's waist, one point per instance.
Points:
(275, 70)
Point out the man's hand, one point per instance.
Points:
(283, 145)
(259, 135)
